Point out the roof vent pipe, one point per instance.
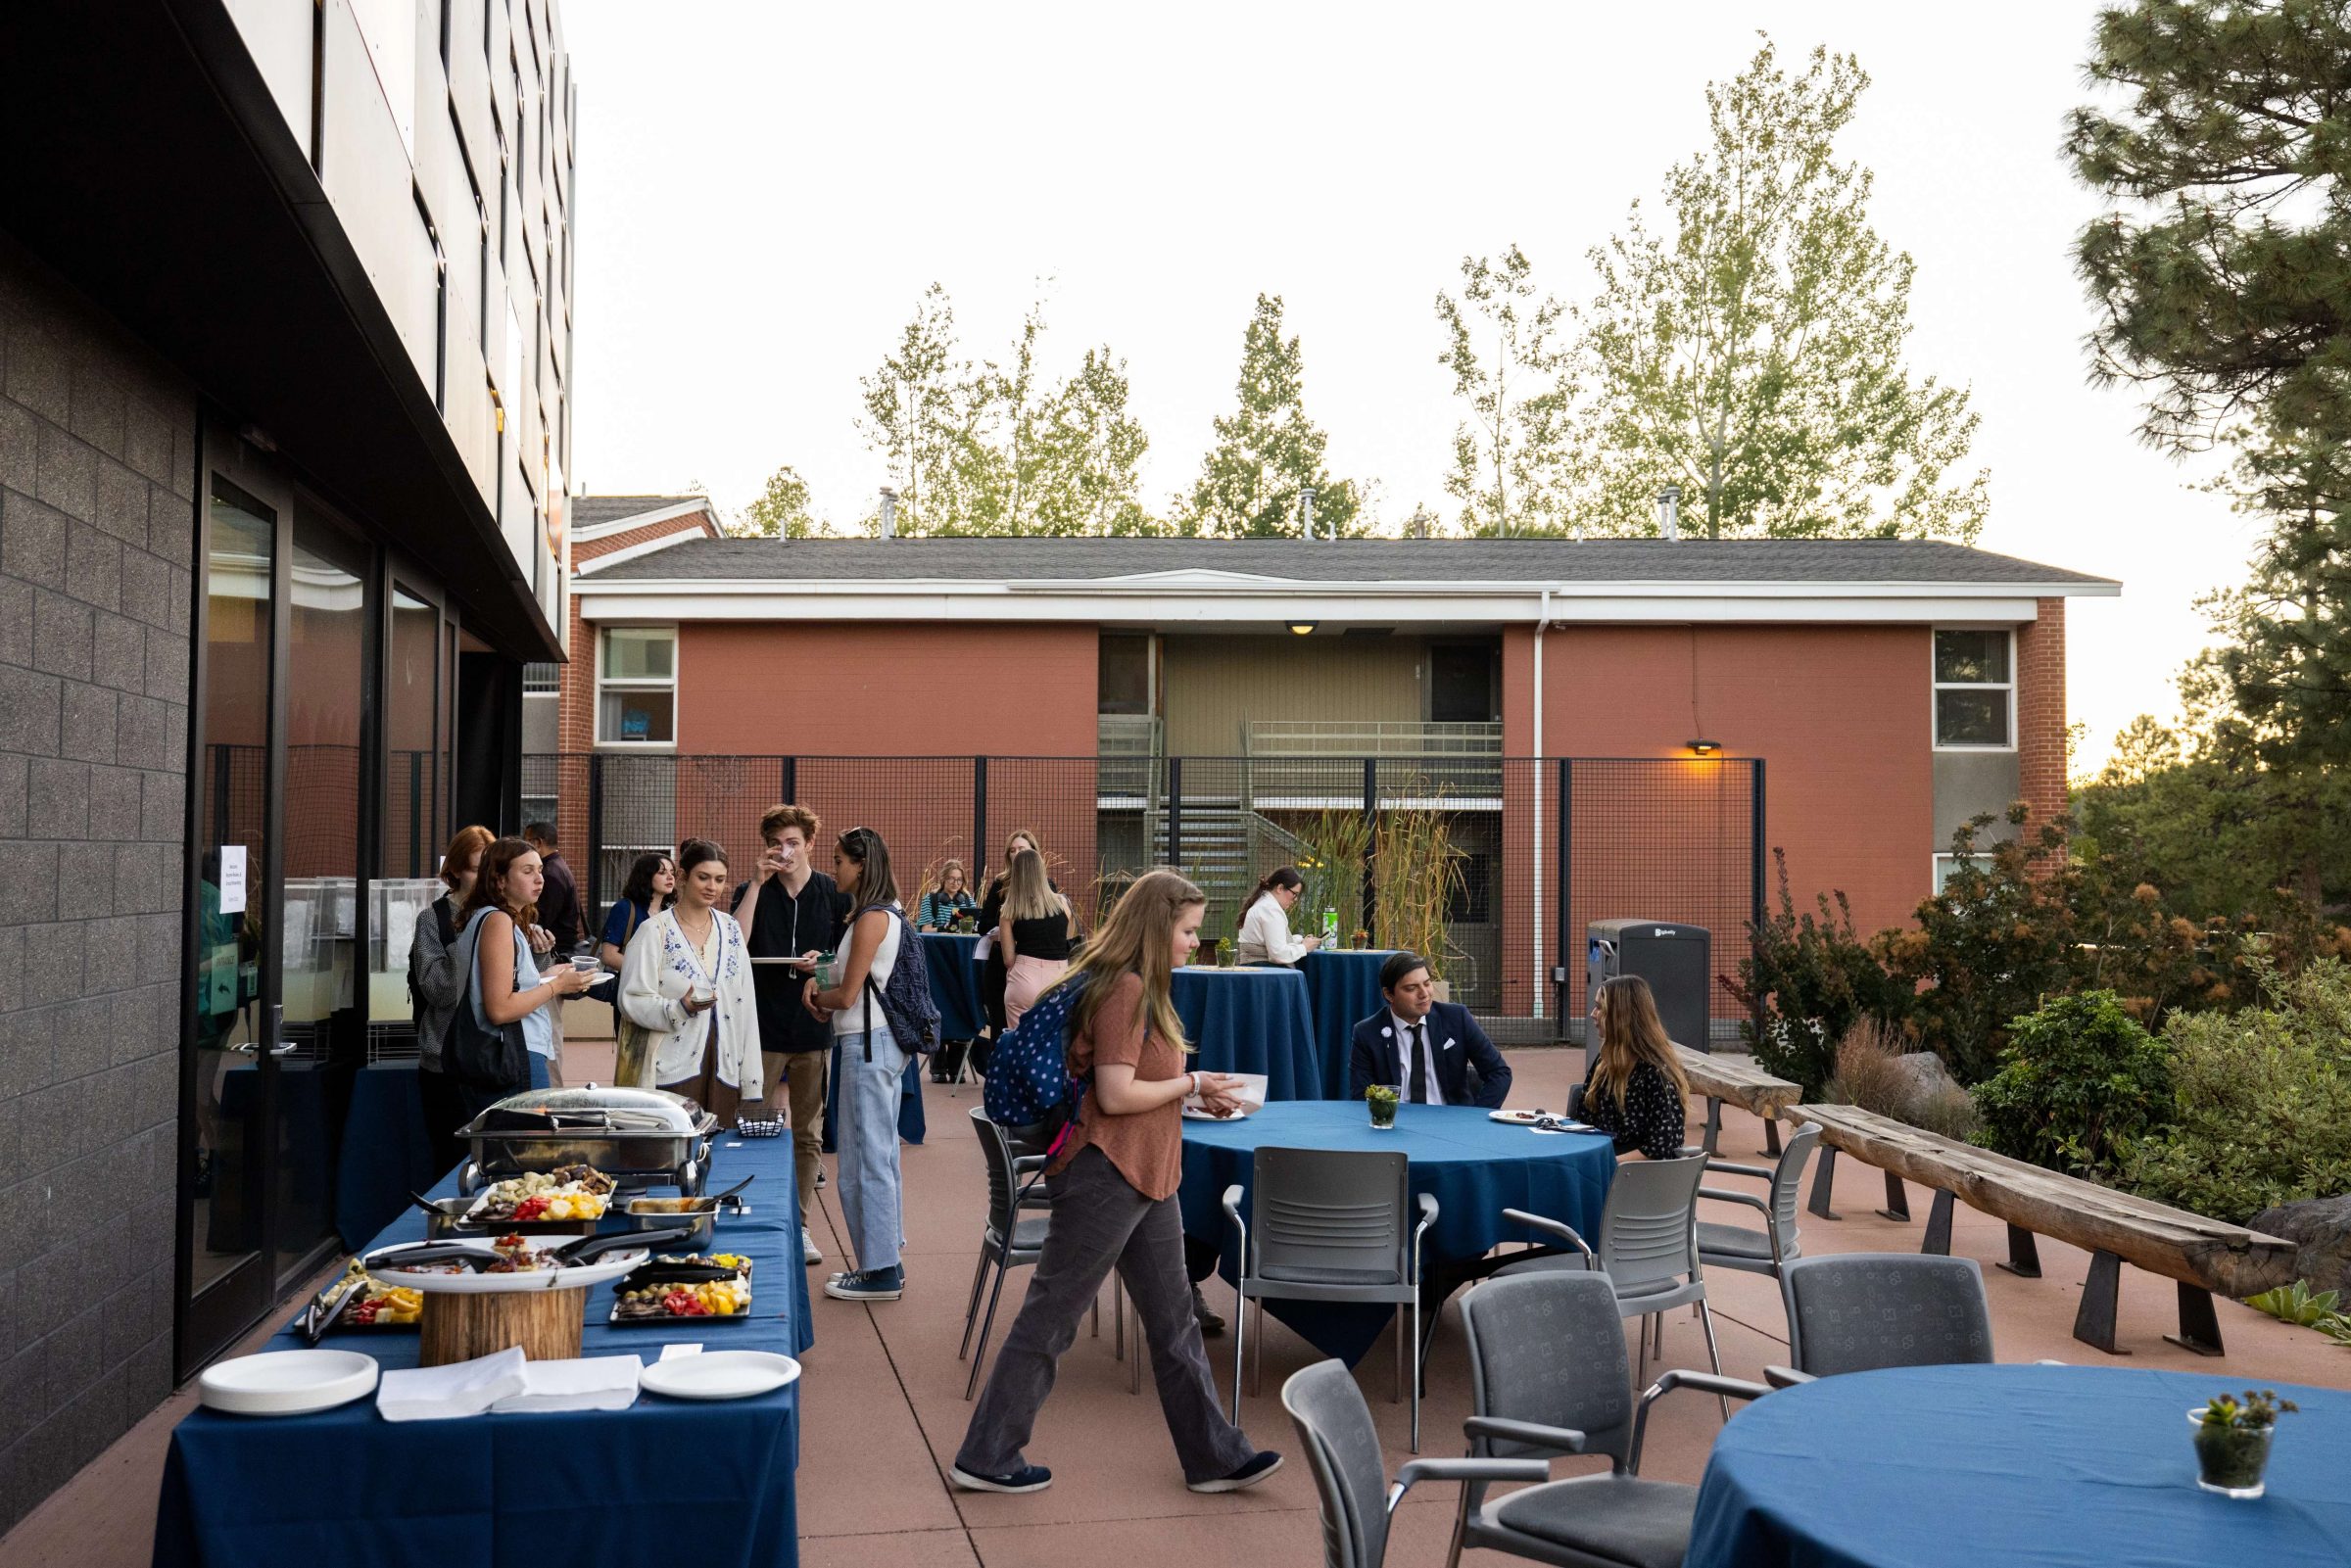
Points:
(1306, 505)
(1669, 500)
(889, 512)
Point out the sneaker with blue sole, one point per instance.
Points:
(868, 1285)
(1028, 1478)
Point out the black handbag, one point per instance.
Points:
(485, 1059)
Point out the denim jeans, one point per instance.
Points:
(539, 1074)
(868, 1140)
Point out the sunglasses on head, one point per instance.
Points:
(859, 836)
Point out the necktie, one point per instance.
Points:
(1417, 1068)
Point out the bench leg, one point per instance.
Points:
(2024, 1254)
(1897, 1200)
(1713, 1127)
(2093, 1324)
(2199, 1327)
(1824, 1184)
(1939, 1226)
(1771, 1137)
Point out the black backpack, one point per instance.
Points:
(905, 997)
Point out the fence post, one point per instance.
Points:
(1562, 975)
(594, 907)
(787, 778)
(1371, 836)
(1757, 852)
(1175, 813)
(979, 821)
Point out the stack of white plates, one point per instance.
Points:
(287, 1382)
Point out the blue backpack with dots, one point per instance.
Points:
(1030, 1092)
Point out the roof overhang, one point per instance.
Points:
(1192, 600)
(644, 519)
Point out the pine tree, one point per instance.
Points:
(1266, 450)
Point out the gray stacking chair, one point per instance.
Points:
(1744, 1247)
(1331, 1225)
(1547, 1377)
(1861, 1311)
(1647, 1247)
(1010, 1241)
(1342, 1450)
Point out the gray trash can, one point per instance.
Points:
(1677, 961)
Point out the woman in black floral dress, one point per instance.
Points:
(1634, 1089)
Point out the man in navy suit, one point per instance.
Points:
(1423, 1048)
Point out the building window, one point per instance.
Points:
(541, 680)
(1124, 685)
(1974, 690)
(1947, 866)
(636, 686)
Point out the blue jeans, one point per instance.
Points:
(539, 1077)
(868, 1138)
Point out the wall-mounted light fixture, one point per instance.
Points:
(1302, 627)
(1703, 748)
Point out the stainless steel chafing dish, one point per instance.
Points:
(639, 1137)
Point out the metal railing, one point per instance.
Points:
(1544, 846)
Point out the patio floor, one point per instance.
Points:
(883, 1410)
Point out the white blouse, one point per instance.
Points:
(1265, 936)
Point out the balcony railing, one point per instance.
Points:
(1371, 737)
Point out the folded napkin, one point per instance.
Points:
(593, 1383)
(463, 1388)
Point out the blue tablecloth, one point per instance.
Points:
(347, 1488)
(1476, 1167)
(1251, 1021)
(386, 1152)
(1342, 990)
(2024, 1466)
(955, 984)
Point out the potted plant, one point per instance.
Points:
(1382, 1100)
(2232, 1440)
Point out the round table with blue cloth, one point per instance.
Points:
(955, 984)
(1474, 1167)
(2024, 1466)
(1342, 990)
(1251, 1021)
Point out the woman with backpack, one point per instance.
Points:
(686, 985)
(1113, 1187)
(434, 983)
(506, 990)
(870, 1060)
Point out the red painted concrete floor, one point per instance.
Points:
(884, 1406)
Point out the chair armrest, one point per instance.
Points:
(1025, 1163)
(1787, 1377)
(1232, 1202)
(1736, 1387)
(1731, 1167)
(1465, 1471)
(1549, 1227)
(1428, 1208)
(1722, 1195)
(1535, 1435)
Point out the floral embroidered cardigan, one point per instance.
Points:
(655, 973)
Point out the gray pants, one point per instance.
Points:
(1101, 1223)
(868, 1141)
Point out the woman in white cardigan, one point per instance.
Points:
(1265, 937)
(685, 979)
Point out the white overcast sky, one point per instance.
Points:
(765, 189)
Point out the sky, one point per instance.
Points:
(766, 189)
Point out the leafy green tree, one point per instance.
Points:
(1266, 450)
(1754, 354)
(2223, 283)
(782, 511)
(1510, 453)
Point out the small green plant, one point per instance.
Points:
(2296, 1304)
(2256, 1412)
(1382, 1100)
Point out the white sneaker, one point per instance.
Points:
(808, 1252)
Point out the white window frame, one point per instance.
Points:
(1945, 862)
(1935, 689)
(602, 685)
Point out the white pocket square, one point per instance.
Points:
(1450, 1043)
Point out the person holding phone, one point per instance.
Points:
(791, 912)
(686, 980)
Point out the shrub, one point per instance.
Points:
(2079, 1083)
(2261, 1101)
(1807, 982)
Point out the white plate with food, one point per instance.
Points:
(510, 1264)
(287, 1382)
(574, 1191)
(720, 1375)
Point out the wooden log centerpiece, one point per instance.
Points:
(457, 1327)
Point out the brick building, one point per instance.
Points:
(1891, 690)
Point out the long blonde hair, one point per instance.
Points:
(1027, 892)
(1138, 937)
(1631, 1033)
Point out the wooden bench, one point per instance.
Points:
(1720, 1079)
(2202, 1256)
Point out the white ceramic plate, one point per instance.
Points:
(612, 1266)
(720, 1375)
(287, 1382)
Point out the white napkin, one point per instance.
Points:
(463, 1388)
(1251, 1094)
(593, 1383)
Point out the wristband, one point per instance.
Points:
(1195, 1077)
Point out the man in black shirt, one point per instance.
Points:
(560, 917)
(791, 910)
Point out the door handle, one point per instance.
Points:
(283, 1047)
(248, 1048)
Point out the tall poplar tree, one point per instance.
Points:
(1266, 450)
(1510, 452)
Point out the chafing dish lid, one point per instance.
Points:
(591, 1107)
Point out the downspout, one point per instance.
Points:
(1541, 621)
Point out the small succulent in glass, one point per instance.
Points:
(1382, 1100)
(2232, 1440)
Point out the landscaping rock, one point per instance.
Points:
(2321, 1228)
(1927, 1079)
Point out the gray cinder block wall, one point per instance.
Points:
(97, 510)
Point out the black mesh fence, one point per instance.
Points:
(1497, 865)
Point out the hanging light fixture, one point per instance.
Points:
(1302, 627)
(1703, 748)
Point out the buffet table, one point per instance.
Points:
(1252, 1020)
(711, 1483)
(1342, 990)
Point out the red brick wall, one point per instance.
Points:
(2040, 712)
